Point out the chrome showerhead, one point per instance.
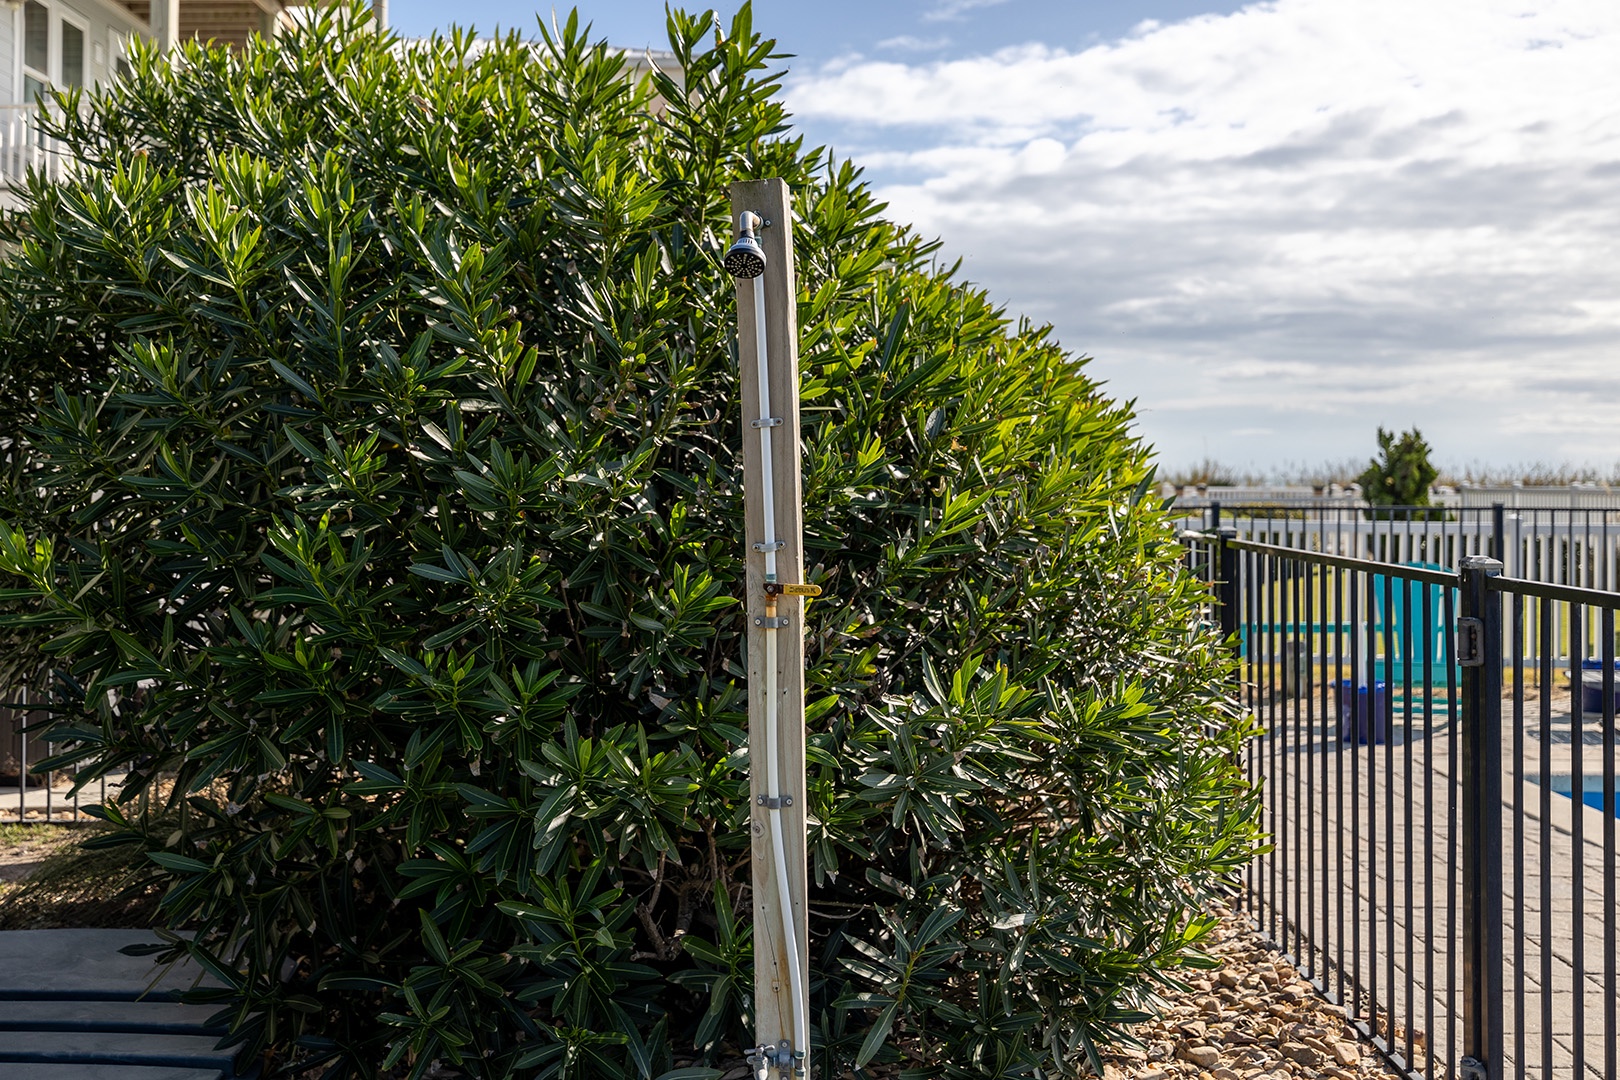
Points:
(746, 259)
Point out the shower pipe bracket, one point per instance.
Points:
(774, 545)
(769, 421)
(771, 802)
(772, 622)
(780, 1056)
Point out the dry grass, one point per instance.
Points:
(1532, 474)
(1348, 470)
(24, 847)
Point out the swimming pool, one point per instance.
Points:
(1591, 789)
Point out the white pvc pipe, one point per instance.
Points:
(761, 354)
(801, 1021)
(773, 765)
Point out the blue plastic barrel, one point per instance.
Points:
(1592, 687)
(1363, 714)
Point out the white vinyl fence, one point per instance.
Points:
(1558, 546)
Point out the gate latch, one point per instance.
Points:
(1470, 642)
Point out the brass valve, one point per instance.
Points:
(777, 588)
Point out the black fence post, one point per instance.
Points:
(1228, 582)
(1479, 652)
(1215, 515)
(1498, 533)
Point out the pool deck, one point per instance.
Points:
(1401, 876)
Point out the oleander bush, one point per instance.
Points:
(374, 497)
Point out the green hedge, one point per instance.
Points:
(376, 499)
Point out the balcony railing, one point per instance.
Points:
(24, 147)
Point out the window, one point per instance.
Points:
(72, 55)
(55, 49)
(36, 35)
(120, 54)
(36, 49)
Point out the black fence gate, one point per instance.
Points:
(1438, 775)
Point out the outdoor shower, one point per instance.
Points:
(746, 259)
(746, 262)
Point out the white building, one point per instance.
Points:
(63, 43)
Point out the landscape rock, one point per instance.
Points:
(1254, 1018)
(1305, 1055)
(1205, 1057)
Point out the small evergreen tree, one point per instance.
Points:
(374, 490)
(1401, 474)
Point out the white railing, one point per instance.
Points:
(1585, 495)
(1558, 547)
(1198, 495)
(23, 147)
(1580, 496)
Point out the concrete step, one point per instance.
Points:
(69, 964)
(107, 1072)
(72, 1007)
(154, 1017)
(114, 1048)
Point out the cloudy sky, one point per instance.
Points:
(1275, 225)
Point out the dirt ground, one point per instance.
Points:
(24, 847)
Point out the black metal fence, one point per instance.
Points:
(1438, 774)
(28, 795)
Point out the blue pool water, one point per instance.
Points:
(1594, 799)
(1591, 790)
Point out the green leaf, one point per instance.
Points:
(877, 1036)
(182, 864)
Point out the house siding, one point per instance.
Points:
(101, 22)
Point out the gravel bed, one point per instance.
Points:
(1253, 1018)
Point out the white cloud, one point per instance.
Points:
(956, 10)
(912, 43)
(1308, 216)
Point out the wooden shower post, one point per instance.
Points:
(774, 1008)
